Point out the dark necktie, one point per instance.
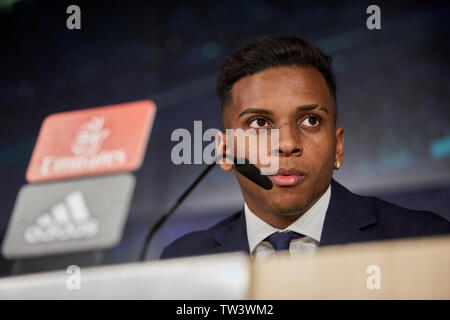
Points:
(281, 240)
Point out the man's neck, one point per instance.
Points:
(276, 220)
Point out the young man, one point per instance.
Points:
(286, 83)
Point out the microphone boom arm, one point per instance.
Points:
(243, 166)
(164, 217)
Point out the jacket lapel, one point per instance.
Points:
(347, 214)
(232, 236)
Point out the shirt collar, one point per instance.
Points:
(309, 224)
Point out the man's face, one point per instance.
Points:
(297, 101)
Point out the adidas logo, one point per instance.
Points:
(67, 220)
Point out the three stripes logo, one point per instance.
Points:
(67, 220)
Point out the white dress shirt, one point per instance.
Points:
(309, 224)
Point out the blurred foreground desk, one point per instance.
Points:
(405, 269)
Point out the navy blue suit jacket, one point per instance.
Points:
(349, 218)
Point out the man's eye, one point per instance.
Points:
(259, 123)
(311, 121)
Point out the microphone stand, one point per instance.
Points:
(165, 216)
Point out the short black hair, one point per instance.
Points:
(265, 53)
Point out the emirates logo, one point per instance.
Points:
(90, 137)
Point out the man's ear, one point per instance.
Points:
(340, 145)
(221, 150)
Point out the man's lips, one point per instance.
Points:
(287, 177)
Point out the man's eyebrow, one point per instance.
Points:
(252, 110)
(309, 107)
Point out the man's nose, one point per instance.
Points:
(289, 141)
